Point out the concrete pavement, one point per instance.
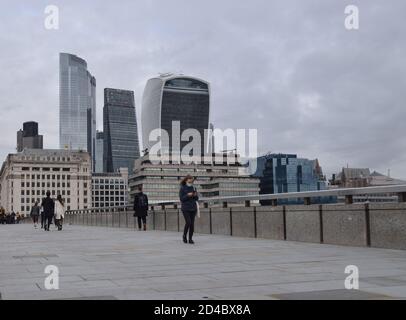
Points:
(113, 263)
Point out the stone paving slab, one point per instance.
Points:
(112, 263)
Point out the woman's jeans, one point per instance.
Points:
(58, 223)
(189, 223)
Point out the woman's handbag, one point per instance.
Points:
(197, 209)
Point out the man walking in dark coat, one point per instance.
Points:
(49, 209)
(141, 208)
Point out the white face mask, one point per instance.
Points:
(189, 184)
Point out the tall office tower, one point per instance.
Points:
(175, 98)
(99, 161)
(121, 145)
(77, 105)
(28, 138)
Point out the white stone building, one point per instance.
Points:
(26, 177)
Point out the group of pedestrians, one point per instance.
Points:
(50, 211)
(188, 197)
(54, 211)
(9, 217)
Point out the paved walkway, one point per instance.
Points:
(109, 263)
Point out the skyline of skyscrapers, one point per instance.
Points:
(77, 105)
(171, 98)
(120, 130)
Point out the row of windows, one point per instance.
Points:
(108, 204)
(97, 199)
(108, 187)
(45, 185)
(45, 169)
(43, 177)
(43, 192)
(102, 193)
(108, 181)
(38, 158)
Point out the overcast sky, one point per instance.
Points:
(288, 68)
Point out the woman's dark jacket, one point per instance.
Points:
(34, 211)
(188, 203)
(49, 206)
(140, 205)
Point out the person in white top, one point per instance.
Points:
(59, 212)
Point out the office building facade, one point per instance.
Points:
(28, 137)
(110, 189)
(121, 144)
(161, 181)
(77, 105)
(99, 152)
(282, 173)
(176, 98)
(25, 178)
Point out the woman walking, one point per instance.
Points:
(35, 214)
(188, 198)
(59, 212)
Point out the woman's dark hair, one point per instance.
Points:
(183, 182)
(59, 198)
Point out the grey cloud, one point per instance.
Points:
(288, 68)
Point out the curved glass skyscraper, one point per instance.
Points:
(171, 98)
(77, 105)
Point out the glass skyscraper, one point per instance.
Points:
(77, 105)
(170, 98)
(281, 173)
(121, 145)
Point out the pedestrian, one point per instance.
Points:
(2, 216)
(8, 218)
(42, 215)
(188, 197)
(49, 207)
(18, 217)
(141, 208)
(35, 214)
(59, 212)
(13, 217)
